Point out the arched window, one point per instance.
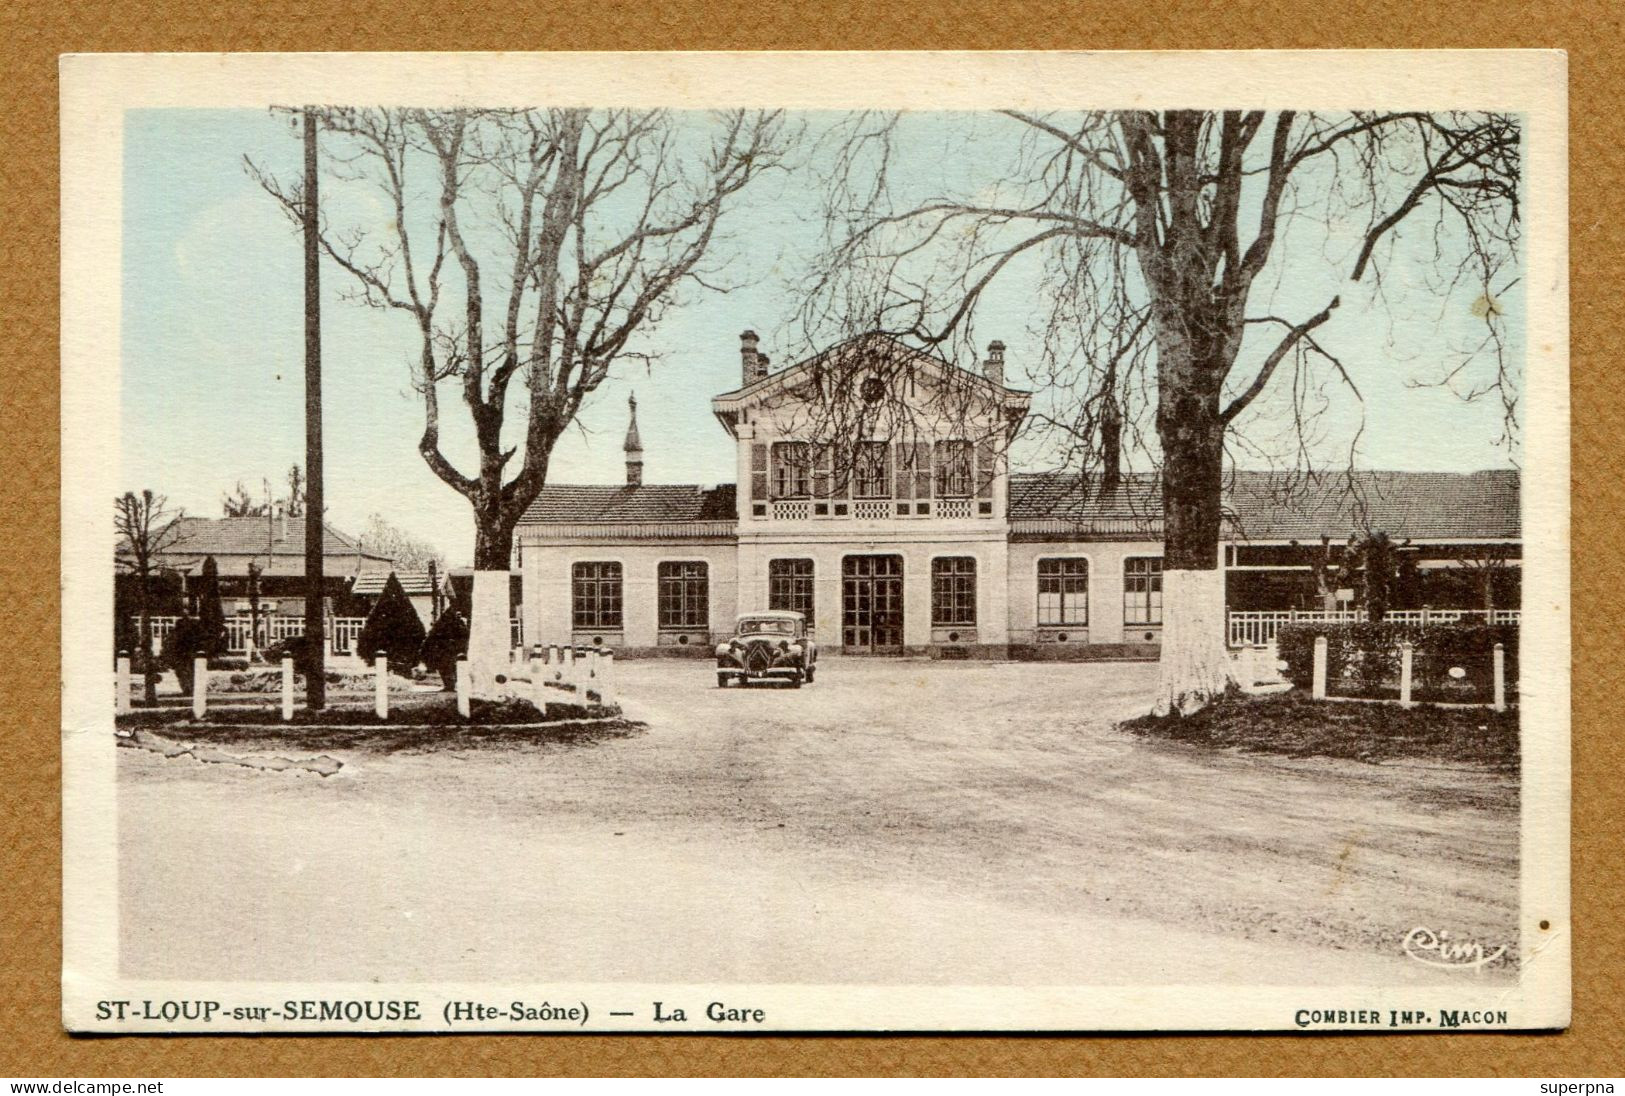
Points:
(685, 596)
(790, 586)
(1063, 591)
(953, 592)
(595, 590)
(1142, 590)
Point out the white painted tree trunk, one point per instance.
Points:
(488, 636)
(1195, 662)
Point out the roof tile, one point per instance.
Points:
(571, 504)
(1258, 505)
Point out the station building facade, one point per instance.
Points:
(916, 537)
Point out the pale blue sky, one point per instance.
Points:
(212, 338)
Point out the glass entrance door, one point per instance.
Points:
(872, 604)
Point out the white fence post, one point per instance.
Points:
(552, 662)
(1406, 652)
(538, 679)
(1318, 689)
(463, 706)
(606, 679)
(200, 686)
(1500, 677)
(287, 687)
(121, 703)
(567, 670)
(380, 689)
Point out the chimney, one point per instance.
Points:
(633, 446)
(753, 365)
(994, 366)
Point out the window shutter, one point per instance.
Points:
(758, 472)
(823, 465)
(986, 468)
(922, 469)
(900, 481)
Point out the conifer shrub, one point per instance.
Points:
(446, 642)
(393, 628)
(211, 615)
(189, 639)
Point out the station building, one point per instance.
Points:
(916, 537)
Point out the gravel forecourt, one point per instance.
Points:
(899, 821)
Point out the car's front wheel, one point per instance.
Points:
(810, 670)
(795, 680)
(722, 681)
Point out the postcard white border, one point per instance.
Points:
(97, 89)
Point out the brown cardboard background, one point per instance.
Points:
(34, 32)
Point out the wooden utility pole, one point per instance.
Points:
(315, 639)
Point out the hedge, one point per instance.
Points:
(1366, 657)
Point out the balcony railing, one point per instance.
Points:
(1254, 627)
(943, 509)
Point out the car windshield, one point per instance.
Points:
(767, 627)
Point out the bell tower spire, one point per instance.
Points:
(634, 445)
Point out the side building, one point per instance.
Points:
(915, 537)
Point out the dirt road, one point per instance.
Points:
(898, 821)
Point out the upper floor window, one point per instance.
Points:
(792, 470)
(1142, 590)
(871, 473)
(953, 467)
(684, 595)
(1063, 591)
(595, 595)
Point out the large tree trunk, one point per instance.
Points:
(493, 539)
(1196, 664)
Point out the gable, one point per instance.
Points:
(872, 383)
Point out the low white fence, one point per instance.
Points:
(342, 632)
(1249, 628)
(1498, 701)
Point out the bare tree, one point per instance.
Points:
(1332, 570)
(294, 503)
(407, 552)
(562, 235)
(147, 528)
(238, 503)
(1482, 569)
(1161, 240)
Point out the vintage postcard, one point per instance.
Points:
(815, 542)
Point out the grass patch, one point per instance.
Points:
(386, 739)
(1292, 725)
